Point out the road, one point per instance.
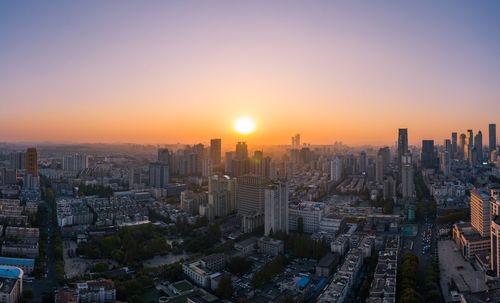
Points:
(43, 288)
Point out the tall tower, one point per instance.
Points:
(470, 145)
(478, 145)
(407, 183)
(379, 169)
(492, 137)
(480, 211)
(276, 208)
(296, 141)
(463, 147)
(215, 151)
(495, 233)
(402, 147)
(32, 161)
(163, 156)
(454, 145)
(428, 158)
(250, 194)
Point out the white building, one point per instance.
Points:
(309, 213)
(276, 208)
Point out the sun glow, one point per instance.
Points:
(244, 125)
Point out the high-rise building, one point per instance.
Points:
(402, 147)
(445, 163)
(296, 141)
(276, 208)
(379, 169)
(18, 160)
(480, 216)
(386, 156)
(454, 145)
(250, 194)
(158, 175)
(218, 183)
(428, 159)
(478, 145)
(470, 145)
(336, 169)
(31, 161)
(389, 188)
(241, 150)
(495, 232)
(407, 182)
(164, 156)
(463, 147)
(228, 162)
(76, 162)
(492, 137)
(215, 151)
(362, 162)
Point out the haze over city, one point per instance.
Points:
(168, 72)
(267, 151)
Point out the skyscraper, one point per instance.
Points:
(163, 156)
(336, 169)
(296, 141)
(215, 151)
(18, 160)
(276, 208)
(31, 161)
(379, 169)
(402, 147)
(470, 145)
(495, 233)
(250, 194)
(407, 183)
(454, 145)
(241, 151)
(478, 145)
(480, 211)
(428, 159)
(158, 175)
(445, 163)
(463, 147)
(492, 137)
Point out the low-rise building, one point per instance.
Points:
(327, 264)
(96, 291)
(269, 246)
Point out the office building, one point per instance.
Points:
(296, 141)
(158, 175)
(480, 211)
(407, 182)
(163, 156)
(31, 161)
(428, 159)
(463, 147)
(445, 163)
(215, 151)
(250, 194)
(276, 208)
(96, 291)
(18, 160)
(305, 215)
(469, 140)
(336, 169)
(492, 137)
(478, 146)
(495, 233)
(379, 169)
(402, 147)
(454, 145)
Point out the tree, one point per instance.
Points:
(225, 289)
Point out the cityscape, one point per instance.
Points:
(217, 152)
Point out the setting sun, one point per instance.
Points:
(244, 125)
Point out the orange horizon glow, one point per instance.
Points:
(183, 71)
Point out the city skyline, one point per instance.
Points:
(183, 72)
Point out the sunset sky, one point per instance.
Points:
(183, 71)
